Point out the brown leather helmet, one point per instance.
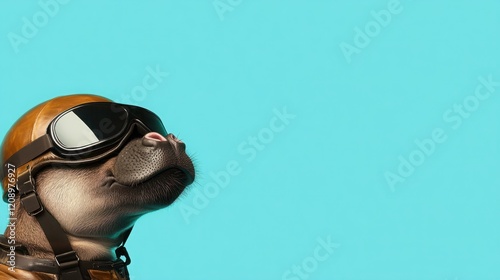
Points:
(33, 125)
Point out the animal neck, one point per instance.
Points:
(41, 263)
(97, 257)
(26, 231)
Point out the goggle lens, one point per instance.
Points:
(89, 125)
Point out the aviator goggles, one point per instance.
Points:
(88, 130)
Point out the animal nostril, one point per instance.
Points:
(155, 136)
(174, 139)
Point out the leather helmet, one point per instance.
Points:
(33, 125)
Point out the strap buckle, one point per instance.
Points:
(67, 260)
(31, 203)
(29, 197)
(122, 252)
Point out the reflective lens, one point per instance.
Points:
(89, 124)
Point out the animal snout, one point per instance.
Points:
(152, 139)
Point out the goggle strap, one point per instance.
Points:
(29, 152)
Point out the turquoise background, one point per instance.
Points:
(324, 173)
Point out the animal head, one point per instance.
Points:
(97, 166)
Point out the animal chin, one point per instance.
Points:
(163, 188)
(172, 174)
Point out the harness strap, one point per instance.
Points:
(65, 257)
(121, 251)
(66, 262)
(29, 263)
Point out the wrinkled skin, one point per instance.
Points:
(96, 203)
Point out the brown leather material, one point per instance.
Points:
(5, 273)
(20, 274)
(34, 124)
(105, 275)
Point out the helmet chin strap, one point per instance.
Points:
(67, 263)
